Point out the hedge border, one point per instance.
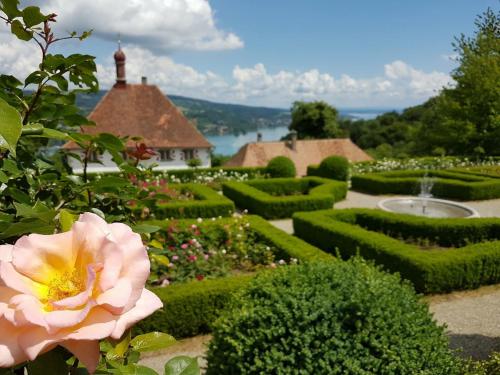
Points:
(431, 271)
(190, 308)
(448, 184)
(208, 203)
(249, 195)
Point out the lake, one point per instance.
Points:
(229, 144)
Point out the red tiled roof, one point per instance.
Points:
(144, 111)
(258, 154)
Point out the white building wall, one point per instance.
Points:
(177, 162)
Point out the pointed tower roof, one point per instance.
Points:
(142, 110)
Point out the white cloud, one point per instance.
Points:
(164, 72)
(16, 57)
(399, 85)
(156, 24)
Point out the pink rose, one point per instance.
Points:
(72, 289)
(184, 246)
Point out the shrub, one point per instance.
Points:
(331, 318)
(281, 197)
(334, 167)
(191, 308)
(433, 270)
(281, 166)
(206, 203)
(447, 184)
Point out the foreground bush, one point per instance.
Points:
(281, 166)
(332, 318)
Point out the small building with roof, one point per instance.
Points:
(302, 152)
(142, 110)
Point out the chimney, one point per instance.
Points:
(144, 80)
(293, 138)
(120, 66)
(259, 137)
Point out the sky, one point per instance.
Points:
(353, 54)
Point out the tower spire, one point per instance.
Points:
(120, 65)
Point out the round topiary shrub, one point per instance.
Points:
(332, 318)
(334, 167)
(281, 166)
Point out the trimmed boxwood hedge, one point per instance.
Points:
(190, 308)
(269, 198)
(434, 270)
(447, 184)
(207, 203)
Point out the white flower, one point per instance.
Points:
(199, 220)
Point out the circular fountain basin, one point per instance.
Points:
(428, 207)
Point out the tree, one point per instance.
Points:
(466, 117)
(315, 120)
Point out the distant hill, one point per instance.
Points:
(213, 118)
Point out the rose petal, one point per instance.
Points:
(6, 253)
(11, 353)
(147, 304)
(25, 309)
(136, 265)
(116, 298)
(19, 282)
(98, 325)
(39, 256)
(86, 351)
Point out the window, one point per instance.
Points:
(167, 155)
(189, 154)
(94, 157)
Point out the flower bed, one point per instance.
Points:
(447, 184)
(209, 249)
(191, 307)
(281, 197)
(425, 163)
(436, 255)
(183, 201)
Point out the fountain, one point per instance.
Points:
(425, 205)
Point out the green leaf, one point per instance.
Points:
(160, 259)
(10, 127)
(35, 78)
(152, 341)
(32, 16)
(32, 129)
(38, 211)
(9, 7)
(61, 82)
(182, 365)
(49, 363)
(27, 225)
(51, 134)
(119, 349)
(133, 369)
(110, 141)
(145, 228)
(18, 30)
(66, 220)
